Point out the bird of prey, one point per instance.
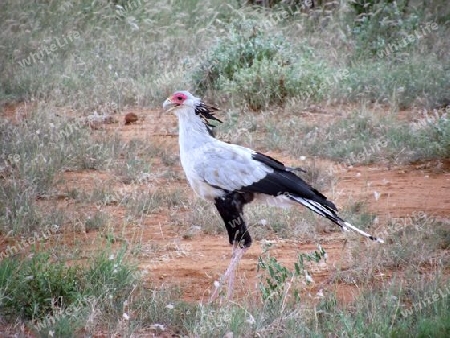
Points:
(232, 176)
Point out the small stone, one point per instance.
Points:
(376, 195)
(131, 118)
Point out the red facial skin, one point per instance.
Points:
(178, 98)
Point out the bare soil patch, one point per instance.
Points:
(193, 264)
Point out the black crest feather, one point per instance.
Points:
(206, 112)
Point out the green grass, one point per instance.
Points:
(126, 67)
(43, 289)
(364, 317)
(257, 67)
(114, 59)
(48, 289)
(35, 152)
(420, 80)
(362, 137)
(144, 203)
(34, 286)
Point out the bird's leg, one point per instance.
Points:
(230, 208)
(231, 270)
(238, 252)
(230, 273)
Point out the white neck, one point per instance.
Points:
(193, 131)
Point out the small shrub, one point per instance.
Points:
(260, 68)
(48, 292)
(260, 85)
(36, 287)
(96, 221)
(267, 83)
(277, 279)
(380, 23)
(245, 44)
(109, 276)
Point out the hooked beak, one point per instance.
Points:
(167, 106)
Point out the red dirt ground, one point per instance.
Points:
(193, 264)
(400, 192)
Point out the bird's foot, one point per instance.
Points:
(229, 274)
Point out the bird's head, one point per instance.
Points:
(182, 99)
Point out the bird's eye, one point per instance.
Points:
(179, 98)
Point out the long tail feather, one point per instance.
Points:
(329, 213)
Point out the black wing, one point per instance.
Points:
(284, 181)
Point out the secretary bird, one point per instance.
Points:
(232, 176)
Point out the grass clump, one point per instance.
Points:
(413, 240)
(34, 152)
(161, 310)
(259, 67)
(364, 138)
(385, 313)
(135, 166)
(237, 51)
(415, 80)
(35, 287)
(381, 23)
(430, 141)
(144, 203)
(55, 297)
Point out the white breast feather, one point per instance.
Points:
(211, 165)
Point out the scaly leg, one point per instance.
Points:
(229, 273)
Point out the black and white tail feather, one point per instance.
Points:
(329, 213)
(282, 182)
